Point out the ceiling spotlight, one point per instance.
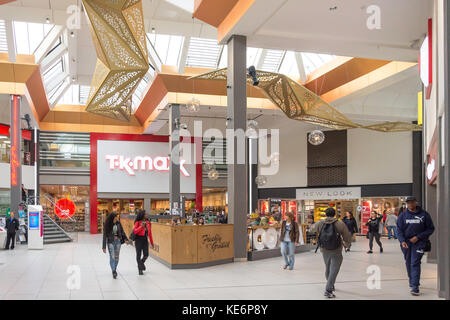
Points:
(333, 8)
(252, 73)
(47, 20)
(153, 30)
(193, 105)
(74, 79)
(316, 137)
(252, 129)
(72, 34)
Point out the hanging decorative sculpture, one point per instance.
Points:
(299, 103)
(117, 28)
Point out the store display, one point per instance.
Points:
(257, 239)
(270, 238)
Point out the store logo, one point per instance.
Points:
(140, 163)
(64, 208)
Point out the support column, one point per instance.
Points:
(147, 205)
(252, 174)
(15, 158)
(174, 170)
(236, 123)
(443, 222)
(417, 167)
(37, 167)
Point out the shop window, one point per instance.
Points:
(68, 150)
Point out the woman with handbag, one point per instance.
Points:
(114, 237)
(142, 233)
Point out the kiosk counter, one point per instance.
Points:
(189, 246)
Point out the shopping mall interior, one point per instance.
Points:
(221, 120)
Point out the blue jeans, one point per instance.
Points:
(114, 251)
(392, 230)
(413, 258)
(288, 253)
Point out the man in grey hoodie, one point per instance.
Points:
(332, 258)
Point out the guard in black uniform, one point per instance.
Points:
(12, 225)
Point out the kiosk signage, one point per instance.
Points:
(35, 227)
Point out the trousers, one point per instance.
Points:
(413, 259)
(141, 244)
(375, 235)
(333, 262)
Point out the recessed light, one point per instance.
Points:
(47, 20)
(153, 30)
(72, 34)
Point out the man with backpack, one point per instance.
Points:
(332, 236)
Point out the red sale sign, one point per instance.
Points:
(366, 209)
(65, 208)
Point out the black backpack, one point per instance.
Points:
(329, 239)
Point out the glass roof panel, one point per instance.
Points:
(203, 53)
(272, 60)
(3, 39)
(289, 66)
(29, 35)
(167, 46)
(312, 61)
(187, 5)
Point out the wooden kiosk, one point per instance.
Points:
(189, 246)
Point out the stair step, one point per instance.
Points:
(50, 241)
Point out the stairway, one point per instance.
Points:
(54, 233)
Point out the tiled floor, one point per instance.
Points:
(26, 274)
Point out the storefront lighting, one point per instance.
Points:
(275, 157)
(193, 105)
(316, 137)
(261, 181)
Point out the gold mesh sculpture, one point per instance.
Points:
(117, 28)
(299, 103)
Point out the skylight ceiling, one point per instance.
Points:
(3, 38)
(312, 61)
(187, 5)
(203, 53)
(167, 46)
(28, 35)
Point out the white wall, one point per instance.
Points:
(27, 176)
(293, 156)
(378, 157)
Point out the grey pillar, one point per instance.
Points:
(443, 221)
(15, 158)
(174, 170)
(417, 166)
(147, 205)
(252, 174)
(237, 120)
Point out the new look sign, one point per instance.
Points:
(329, 193)
(138, 166)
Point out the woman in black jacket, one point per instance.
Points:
(374, 230)
(351, 224)
(114, 236)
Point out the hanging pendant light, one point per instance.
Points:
(252, 129)
(213, 174)
(193, 105)
(261, 181)
(316, 137)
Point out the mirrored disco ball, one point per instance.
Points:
(261, 180)
(193, 105)
(213, 174)
(316, 137)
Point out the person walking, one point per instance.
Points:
(391, 225)
(289, 239)
(12, 225)
(113, 236)
(332, 236)
(414, 227)
(374, 230)
(352, 226)
(143, 232)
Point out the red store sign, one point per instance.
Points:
(65, 208)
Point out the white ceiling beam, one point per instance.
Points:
(11, 40)
(61, 94)
(301, 67)
(53, 57)
(153, 56)
(183, 55)
(47, 43)
(56, 81)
